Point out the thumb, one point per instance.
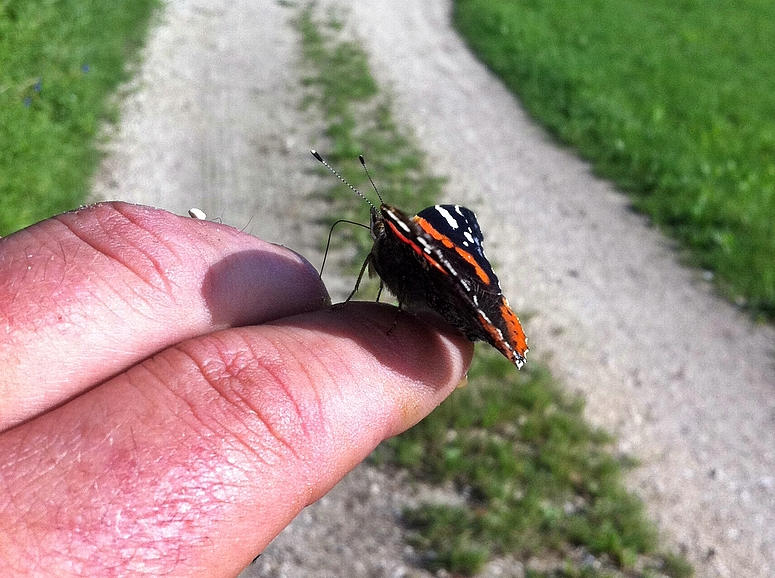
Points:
(192, 461)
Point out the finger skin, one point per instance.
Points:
(193, 460)
(90, 293)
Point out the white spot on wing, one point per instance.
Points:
(451, 221)
(427, 247)
(446, 265)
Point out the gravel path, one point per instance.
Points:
(685, 380)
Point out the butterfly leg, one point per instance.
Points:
(360, 276)
(395, 319)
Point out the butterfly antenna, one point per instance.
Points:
(341, 178)
(368, 174)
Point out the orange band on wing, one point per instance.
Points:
(514, 344)
(468, 257)
(514, 327)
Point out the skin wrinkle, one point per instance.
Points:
(63, 314)
(40, 458)
(63, 266)
(152, 535)
(231, 372)
(278, 383)
(337, 379)
(244, 437)
(141, 247)
(134, 380)
(325, 364)
(173, 248)
(11, 503)
(201, 430)
(98, 291)
(276, 376)
(138, 299)
(329, 376)
(35, 274)
(16, 502)
(304, 369)
(114, 254)
(23, 453)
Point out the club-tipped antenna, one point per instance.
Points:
(341, 178)
(368, 174)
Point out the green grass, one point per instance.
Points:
(674, 101)
(60, 64)
(535, 481)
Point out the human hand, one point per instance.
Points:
(173, 392)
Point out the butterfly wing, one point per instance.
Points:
(453, 242)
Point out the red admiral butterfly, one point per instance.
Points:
(436, 260)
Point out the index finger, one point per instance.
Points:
(90, 293)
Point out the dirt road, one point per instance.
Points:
(686, 381)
